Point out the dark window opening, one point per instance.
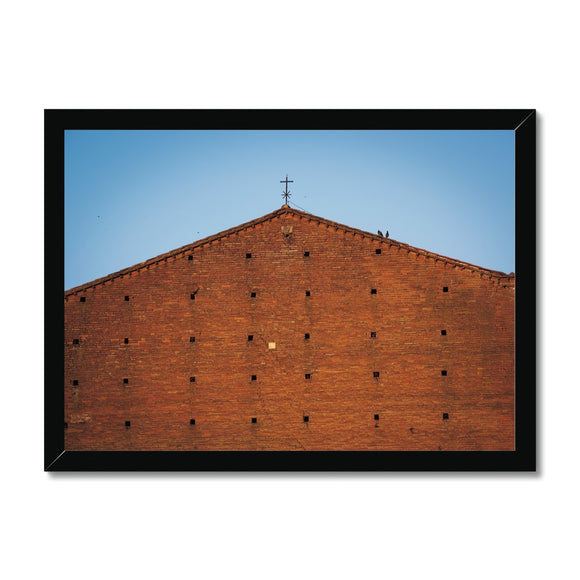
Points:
(83, 299)
(306, 254)
(190, 258)
(376, 374)
(192, 296)
(75, 341)
(252, 294)
(75, 382)
(378, 251)
(192, 339)
(445, 289)
(127, 423)
(254, 419)
(307, 292)
(443, 373)
(376, 417)
(445, 416)
(443, 333)
(126, 341)
(307, 336)
(192, 379)
(192, 421)
(306, 418)
(373, 335)
(307, 375)
(248, 255)
(125, 381)
(250, 337)
(254, 377)
(126, 298)
(373, 290)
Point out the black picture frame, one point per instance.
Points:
(521, 121)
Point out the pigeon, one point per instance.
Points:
(380, 233)
(387, 233)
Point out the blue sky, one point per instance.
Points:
(132, 195)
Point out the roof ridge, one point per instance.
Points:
(283, 210)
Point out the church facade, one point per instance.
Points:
(287, 333)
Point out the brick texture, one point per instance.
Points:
(172, 379)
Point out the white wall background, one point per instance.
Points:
(415, 54)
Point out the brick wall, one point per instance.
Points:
(188, 356)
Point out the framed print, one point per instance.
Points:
(290, 290)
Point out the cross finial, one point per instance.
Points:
(286, 194)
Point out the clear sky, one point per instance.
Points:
(132, 195)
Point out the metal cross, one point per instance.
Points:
(286, 194)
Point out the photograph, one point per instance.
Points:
(242, 294)
(307, 294)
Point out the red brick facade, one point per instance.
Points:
(358, 342)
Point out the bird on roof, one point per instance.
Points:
(380, 233)
(387, 234)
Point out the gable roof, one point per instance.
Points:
(285, 210)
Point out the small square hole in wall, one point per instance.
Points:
(192, 296)
(376, 417)
(192, 379)
(445, 289)
(373, 290)
(307, 292)
(192, 339)
(76, 341)
(125, 381)
(373, 335)
(83, 299)
(443, 373)
(192, 421)
(307, 336)
(254, 419)
(252, 294)
(307, 375)
(306, 254)
(126, 341)
(376, 374)
(248, 255)
(254, 378)
(250, 337)
(443, 333)
(126, 298)
(445, 416)
(127, 423)
(306, 418)
(378, 251)
(190, 258)
(75, 382)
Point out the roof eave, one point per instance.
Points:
(183, 250)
